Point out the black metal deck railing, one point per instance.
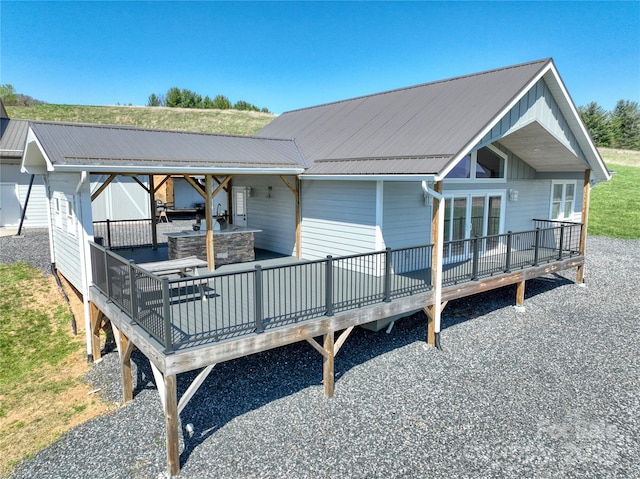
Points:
(208, 308)
(124, 233)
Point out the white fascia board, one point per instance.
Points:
(481, 134)
(175, 170)
(591, 147)
(369, 177)
(33, 139)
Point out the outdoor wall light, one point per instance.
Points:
(513, 195)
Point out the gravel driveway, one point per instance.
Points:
(553, 391)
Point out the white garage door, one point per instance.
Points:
(9, 205)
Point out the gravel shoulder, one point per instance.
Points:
(548, 392)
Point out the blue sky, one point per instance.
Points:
(288, 55)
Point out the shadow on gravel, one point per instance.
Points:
(237, 387)
(464, 309)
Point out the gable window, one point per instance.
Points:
(487, 163)
(563, 200)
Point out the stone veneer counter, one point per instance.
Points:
(230, 245)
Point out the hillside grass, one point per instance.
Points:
(231, 122)
(42, 366)
(614, 210)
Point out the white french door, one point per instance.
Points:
(468, 215)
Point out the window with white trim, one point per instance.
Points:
(71, 215)
(57, 211)
(563, 200)
(488, 164)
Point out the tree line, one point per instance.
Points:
(619, 128)
(11, 98)
(185, 98)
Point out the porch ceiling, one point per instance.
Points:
(540, 149)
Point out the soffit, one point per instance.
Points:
(541, 150)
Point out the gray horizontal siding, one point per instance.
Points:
(275, 215)
(406, 220)
(67, 252)
(36, 215)
(338, 218)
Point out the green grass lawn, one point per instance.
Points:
(232, 122)
(42, 392)
(615, 205)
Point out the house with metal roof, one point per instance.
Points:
(390, 203)
(22, 197)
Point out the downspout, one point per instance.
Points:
(437, 277)
(85, 264)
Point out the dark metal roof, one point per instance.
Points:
(13, 135)
(98, 147)
(430, 123)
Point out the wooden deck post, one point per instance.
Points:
(171, 421)
(295, 189)
(208, 214)
(437, 236)
(152, 207)
(327, 363)
(520, 294)
(586, 194)
(96, 325)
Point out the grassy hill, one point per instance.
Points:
(186, 119)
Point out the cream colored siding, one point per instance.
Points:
(339, 218)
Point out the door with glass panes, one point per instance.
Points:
(468, 215)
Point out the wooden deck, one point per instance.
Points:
(220, 326)
(244, 310)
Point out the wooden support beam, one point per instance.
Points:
(159, 185)
(171, 421)
(195, 186)
(159, 378)
(295, 189)
(125, 348)
(143, 186)
(208, 214)
(341, 339)
(316, 346)
(520, 294)
(152, 207)
(96, 325)
(193, 387)
(221, 185)
(586, 194)
(103, 186)
(327, 365)
(431, 331)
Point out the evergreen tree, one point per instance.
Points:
(153, 100)
(625, 120)
(221, 102)
(174, 97)
(598, 123)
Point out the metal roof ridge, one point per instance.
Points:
(420, 85)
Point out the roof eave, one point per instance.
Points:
(154, 170)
